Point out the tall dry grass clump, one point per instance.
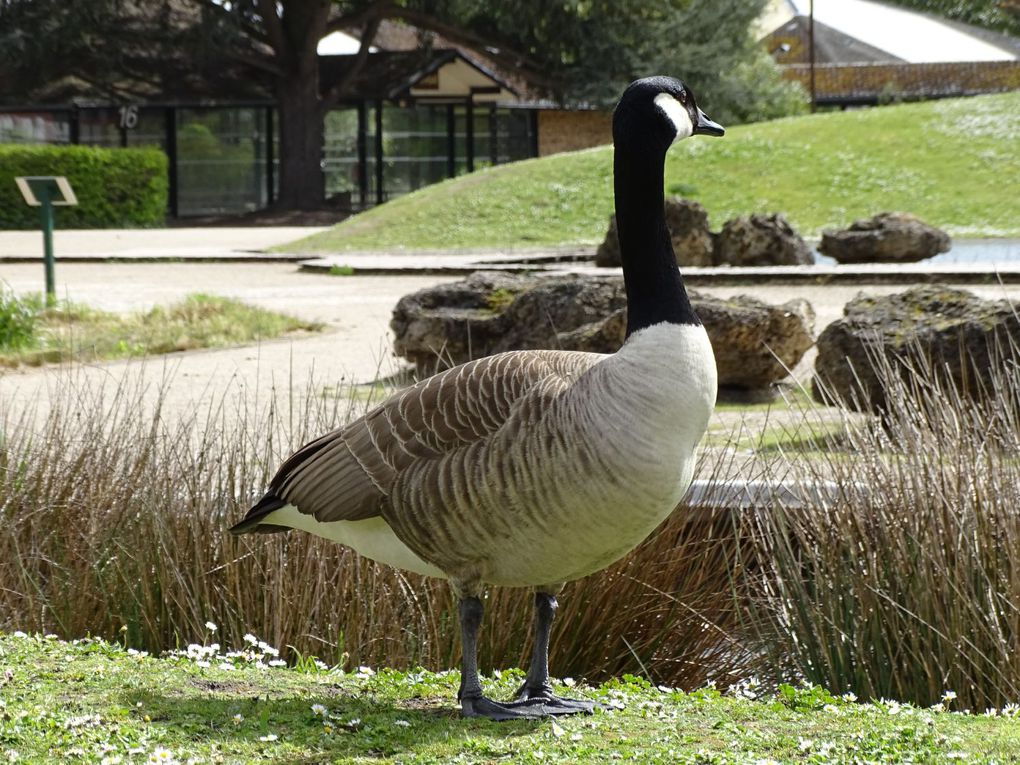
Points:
(905, 583)
(115, 514)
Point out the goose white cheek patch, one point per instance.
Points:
(677, 114)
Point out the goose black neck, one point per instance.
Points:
(655, 289)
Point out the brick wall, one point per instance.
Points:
(561, 130)
(868, 83)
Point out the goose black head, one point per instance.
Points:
(661, 110)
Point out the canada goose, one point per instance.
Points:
(530, 468)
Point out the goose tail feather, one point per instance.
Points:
(252, 521)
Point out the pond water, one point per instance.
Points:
(970, 251)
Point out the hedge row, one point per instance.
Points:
(116, 188)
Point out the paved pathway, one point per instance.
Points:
(150, 244)
(356, 310)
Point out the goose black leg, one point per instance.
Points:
(472, 702)
(536, 687)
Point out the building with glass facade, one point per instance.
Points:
(411, 119)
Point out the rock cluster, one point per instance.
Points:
(760, 240)
(755, 343)
(887, 237)
(955, 332)
(687, 222)
(755, 240)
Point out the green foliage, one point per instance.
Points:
(577, 52)
(594, 49)
(93, 701)
(951, 162)
(1003, 15)
(715, 51)
(116, 188)
(110, 51)
(18, 321)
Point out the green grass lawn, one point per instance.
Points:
(94, 702)
(953, 163)
(33, 334)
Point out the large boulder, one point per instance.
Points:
(687, 222)
(490, 312)
(755, 343)
(760, 240)
(951, 331)
(888, 237)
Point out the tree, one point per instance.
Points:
(734, 77)
(572, 50)
(1002, 15)
(585, 49)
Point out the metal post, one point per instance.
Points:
(170, 130)
(74, 125)
(270, 158)
(493, 137)
(533, 131)
(379, 178)
(811, 48)
(46, 211)
(469, 135)
(451, 142)
(363, 153)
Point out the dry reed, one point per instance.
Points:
(115, 516)
(900, 580)
(906, 583)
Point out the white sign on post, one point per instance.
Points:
(31, 185)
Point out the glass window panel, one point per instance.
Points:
(415, 147)
(149, 129)
(514, 139)
(220, 161)
(340, 153)
(99, 127)
(35, 127)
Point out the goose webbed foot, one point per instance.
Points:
(536, 687)
(555, 705)
(480, 706)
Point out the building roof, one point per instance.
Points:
(864, 31)
(436, 74)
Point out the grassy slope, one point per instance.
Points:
(953, 163)
(89, 700)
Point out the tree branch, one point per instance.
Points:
(256, 62)
(483, 45)
(274, 29)
(341, 87)
(380, 9)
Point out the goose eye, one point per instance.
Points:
(683, 97)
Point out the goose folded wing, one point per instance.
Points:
(348, 473)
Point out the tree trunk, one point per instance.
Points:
(295, 35)
(302, 184)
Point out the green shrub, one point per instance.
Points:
(115, 187)
(17, 322)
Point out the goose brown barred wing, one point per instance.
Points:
(348, 474)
